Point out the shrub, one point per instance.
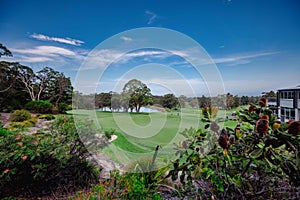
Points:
(46, 116)
(19, 116)
(16, 125)
(142, 183)
(39, 106)
(209, 112)
(3, 131)
(63, 107)
(23, 125)
(247, 160)
(32, 120)
(41, 163)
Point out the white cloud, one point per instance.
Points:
(104, 57)
(57, 39)
(46, 51)
(126, 39)
(40, 54)
(152, 17)
(242, 58)
(29, 59)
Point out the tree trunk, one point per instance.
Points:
(138, 109)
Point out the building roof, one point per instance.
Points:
(291, 88)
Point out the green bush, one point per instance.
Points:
(63, 107)
(32, 120)
(19, 116)
(40, 106)
(23, 125)
(43, 162)
(3, 131)
(46, 116)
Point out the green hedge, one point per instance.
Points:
(39, 106)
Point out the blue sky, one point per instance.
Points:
(255, 44)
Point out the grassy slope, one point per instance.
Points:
(139, 134)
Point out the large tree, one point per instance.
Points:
(169, 101)
(139, 93)
(103, 100)
(46, 84)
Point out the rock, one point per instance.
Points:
(105, 163)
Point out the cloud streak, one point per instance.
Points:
(46, 51)
(40, 54)
(152, 17)
(57, 39)
(126, 39)
(242, 59)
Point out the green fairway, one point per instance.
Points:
(139, 134)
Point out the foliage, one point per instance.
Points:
(46, 116)
(18, 83)
(141, 182)
(42, 162)
(103, 100)
(209, 112)
(3, 131)
(4, 51)
(19, 116)
(39, 106)
(169, 101)
(137, 94)
(63, 107)
(250, 160)
(23, 125)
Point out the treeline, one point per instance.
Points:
(19, 85)
(114, 101)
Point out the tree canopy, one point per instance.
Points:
(136, 94)
(19, 84)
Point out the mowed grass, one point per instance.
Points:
(139, 134)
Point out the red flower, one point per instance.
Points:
(24, 157)
(35, 143)
(224, 139)
(262, 102)
(6, 171)
(19, 137)
(251, 108)
(20, 144)
(266, 117)
(294, 128)
(262, 126)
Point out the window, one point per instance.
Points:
(287, 113)
(293, 114)
(290, 95)
(282, 112)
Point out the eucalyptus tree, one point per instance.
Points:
(138, 93)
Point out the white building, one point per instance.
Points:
(288, 102)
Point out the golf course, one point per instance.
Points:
(139, 134)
